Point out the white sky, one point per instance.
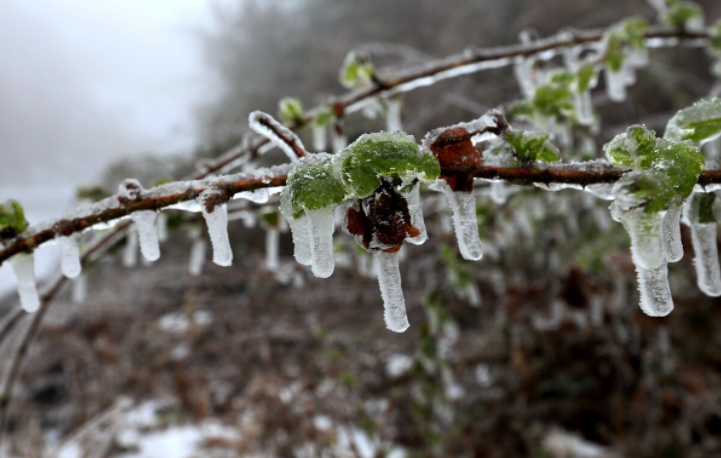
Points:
(85, 82)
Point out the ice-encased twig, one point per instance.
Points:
(145, 221)
(465, 223)
(672, 234)
(389, 280)
(655, 292)
(217, 222)
(415, 209)
(320, 228)
(256, 122)
(69, 256)
(24, 267)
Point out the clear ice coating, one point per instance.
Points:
(319, 137)
(255, 123)
(320, 229)
(24, 267)
(217, 222)
(415, 209)
(271, 248)
(465, 223)
(655, 292)
(69, 256)
(647, 242)
(703, 239)
(146, 223)
(299, 229)
(389, 280)
(672, 234)
(393, 115)
(130, 253)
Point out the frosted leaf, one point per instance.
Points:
(299, 229)
(393, 115)
(672, 233)
(616, 85)
(655, 292)
(320, 225)
(69, 256)
(319, 137)
(145, 221)
(465, 223)
(80, 289)
(584, 107)
(271, 249)
(130, 252)
(162, 227)
(415, 209)
(389, 280)
(197, 256)
(217, 223)
(256, 122)
(24, 268)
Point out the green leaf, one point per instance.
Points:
(356, 71)
(555, 98)
(680, 13)
(633, 31)
(639, 149)
(615, 56)
(699, 122)
(290, 110)
(364, 161)
(649, 189)
(533, 146)
(12, 219)
(584, 76)
(323, 117)
(313, 184)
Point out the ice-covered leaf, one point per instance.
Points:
(532, 146)
(639, 149)
(366, 160)
(584, 77)
(356, 71)
(684, 14)
(651, 190)
(12, 219)
(699, 123)
(290, 110)
(314, 184)
(555, 98)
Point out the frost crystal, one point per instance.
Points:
(415, 209)
(465, 222)
(320, 227)
(69, 256)
(145, 221)
(389, 280)
(257, 121)
(217, 222)
(24, 268)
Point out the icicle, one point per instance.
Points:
(197, 256)
(615, 85)
(637, 56)
(415, 209)
(319, 137)
(162, 227)
(130, 253)
(465, 222)
(338, 137)
(299, 229)
(146, 221)
(80, 289)
(393, 115)
(584, 107)
(271, 248)
(672, 234)
(656, 297)
(69, 256)
(498, 192)
(320, 227)
(647, 241)
(389, 279)
(24, 268)
(217, 223)
(703, 238)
